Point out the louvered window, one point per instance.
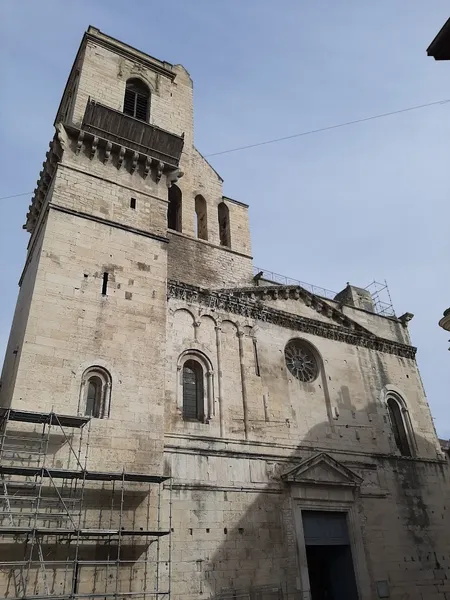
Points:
(193, 391)
(137, 100)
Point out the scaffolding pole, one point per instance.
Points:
(46, 516)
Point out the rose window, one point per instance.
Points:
(300, 361)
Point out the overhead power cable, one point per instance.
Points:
(311, 131)
(301, 134)
(16, 195)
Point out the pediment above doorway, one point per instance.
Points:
(322, 470)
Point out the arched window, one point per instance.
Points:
(196, 386)
(224, 225)
(193, 393)
(174, 208)
(95, 393)
(398, 426)
(137, 100)
(201, 227)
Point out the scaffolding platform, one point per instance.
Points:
(52, 531)
(29, 416)
(75, 530)
(80, 474)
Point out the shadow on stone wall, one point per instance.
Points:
(259, 552)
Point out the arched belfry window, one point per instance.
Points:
(201, 225)
(174, 208)
(95, 393)
(224, 225)
(193, 394)
(137, 100)
(399, 424)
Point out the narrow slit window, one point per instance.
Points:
(174, 208)
(105, 284)
(133, 203)
(224, 225)
(201, 226)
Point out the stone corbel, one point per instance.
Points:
(196, 325)
(40, 198)
(93, 147)
(159, 170)
(108, 149)
(134, 161)
(79, 142)
(173, 177)
(147, 166)
(121, 157)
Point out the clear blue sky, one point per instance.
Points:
(370, 201)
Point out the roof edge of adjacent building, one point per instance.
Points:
(439, 48)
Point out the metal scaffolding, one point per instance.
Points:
(379, 291)
(72, 532)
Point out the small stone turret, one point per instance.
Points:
(357, 297)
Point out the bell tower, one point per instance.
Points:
(123, 204)
(89, 329)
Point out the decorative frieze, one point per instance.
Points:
(53, 157)
(348, 332)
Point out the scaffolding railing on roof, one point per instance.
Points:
(379, 291)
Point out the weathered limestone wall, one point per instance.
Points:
(200, 263)
(233, 522)
(388, 328)
(104, 73)
(72, 326)
(100, 194)
(234, 529)
(20, 320)
(234, 514)
(344, 407)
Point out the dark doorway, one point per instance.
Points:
(331, 575)
(329, 556)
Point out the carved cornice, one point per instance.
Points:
(296, 292)
(245, 305)
(121, 156)
(52, 158)
(93, 146)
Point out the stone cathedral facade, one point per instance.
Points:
(295, 431)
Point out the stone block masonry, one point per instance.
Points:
(294, 428)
